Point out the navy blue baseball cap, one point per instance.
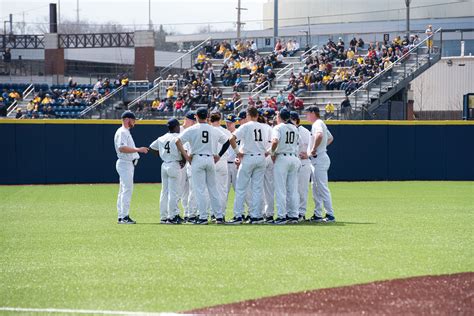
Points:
(231, 118)
(242, 115)
(128, 114)
(190, 115)
(201, 112)
(313, 109)
(269, 112)
(284, 114)
(172, 122)
(294, 115)
(260, 111)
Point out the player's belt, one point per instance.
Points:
(230, 161)
(288, 154)
(313, 157)
(204, 155)
(254, 155)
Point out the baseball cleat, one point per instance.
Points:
(280, 221)
(269, 220)
(254, 221)
(220, 221)
(164, 221)
(191, 220)
(235, 221)
(301, 218)
(292, 220)
(330, 219)
(317, 219)
(213, 218)
(200, 221)
(127, 220)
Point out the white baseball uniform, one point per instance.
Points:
(252, 168)
(187, 197)
(268, 185)
(125, 168)
(304, 174)
(202, 139)
(320, 166)
(286, 168)
(221, 168)
(170, 174)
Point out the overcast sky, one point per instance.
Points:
(134, 12)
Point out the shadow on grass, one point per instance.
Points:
(337, 224)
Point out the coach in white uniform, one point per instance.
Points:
(320, 139)
(202, 139)
(284, 153)
(166, 148)
(304, 174)
(127, 155)
(251, 169)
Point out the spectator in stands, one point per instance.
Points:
(98, 85)
(329, 111)
(429, 32)
(239, 83)
(19, 114)
(270, 77)
(3, 108)
(346, 108)
(200, 60)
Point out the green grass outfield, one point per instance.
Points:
(60, 247)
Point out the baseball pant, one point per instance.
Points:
(231, 176)
(268, 189)
(321, 193)
(170, 176)
(221, 179)
(187, 197)
(285, 173)
(204, 177)
(125, 169)
(251, 172)
(303, 185)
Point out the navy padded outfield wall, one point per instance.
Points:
(79, 152)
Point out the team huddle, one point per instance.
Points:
(269, 159)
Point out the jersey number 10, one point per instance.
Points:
(290, 137)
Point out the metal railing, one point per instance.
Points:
(100, 101)
(378, 80)
(180, 60)
(156, 86)
(280, 74)
(24, 95)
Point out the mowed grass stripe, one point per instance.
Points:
(61, 248)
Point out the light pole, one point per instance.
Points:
(150, 24)
(307, 36)
(407, 3)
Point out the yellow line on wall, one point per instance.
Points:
(163, 122)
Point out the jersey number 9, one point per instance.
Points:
(205, 137)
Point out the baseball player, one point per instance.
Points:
(230, 120)
(319, 140)
(252, 168)
(284, 153)
(187, 198)
(268, 185)
(222, 177)
(304, 173)
(242, 119)
(202, 139)
(165, 147)
(128, 156)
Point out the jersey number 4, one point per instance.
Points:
(205, 137)
(290, 137)
(167, 147)
(258, 135)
